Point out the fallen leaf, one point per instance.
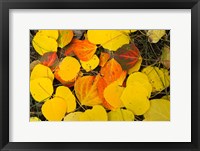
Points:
(33, 64)
(73, 116)
(104, 57)
(34, 119)
(155, 35)
(54, 109)
(43, 43)
(65, 37)
(66, 94)
(120, 115)
(159, 78)
(127, 56)
(112, 94)
(136, 67)
(159, 110)
(41, 89)
(83, 49)
(86, 90)
(41, 71)
(135, 98)
(50, 59)
(109, 39)
(97, 113)
(67, 70)
(49, 33)
(90, 64)
(142, 79)
(165, 57)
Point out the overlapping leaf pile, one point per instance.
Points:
(102, 75)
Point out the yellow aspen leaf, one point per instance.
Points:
(135, 99)
(34, 119)
(109, 39)
(165, 57)
(49, 33)
(136, 67)
(73, 116)
(104, 57)
(129, 31)
(83, 49)
(90, 64)
(97, 113)
(86, 90)
(54, 109)
(120, 115)
(41, 71)
(65, 37)
(41, 89)
(67, 70)
(66, 94)
(43, 44)
(159, 110)
(155, 35)
(142, 79)
(122, 77)
(112, 94)
(159, 78)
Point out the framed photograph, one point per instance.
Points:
(99, 75)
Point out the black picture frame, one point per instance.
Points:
(5, 5)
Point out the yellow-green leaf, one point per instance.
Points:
(159, 78)
(34, 119)
(135, 98)
(120, 115)
(65, 37)
(159, 110)
(73, 116)
(43, 43)
(109, 39)
(90, 64)
(142, 79)
(54, 109)
(97, 113)
(49, 33)
(155, 35)
(66, 94)
(41, 89)
(41, 71)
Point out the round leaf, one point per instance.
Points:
(90, 64)
(120, 115)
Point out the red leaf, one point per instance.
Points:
(50, 59)
(127, 56)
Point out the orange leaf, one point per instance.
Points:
(86, 90)
(83, 49)
(104, 58)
